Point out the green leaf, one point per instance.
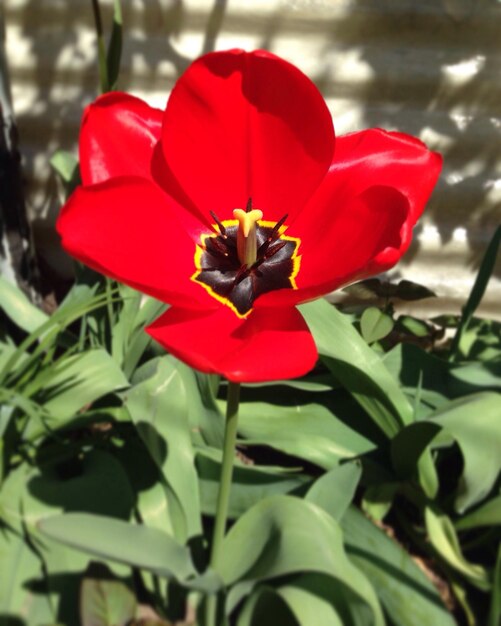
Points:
(282, 536)
(153, 507)
(45, 337)
(357, 367)
(444, 539)
(250, 483)
(138, 546)
(30, 494)
(159, 408)
(309, 608)
(375, 324)
(409, 445)
(266, 608)
(479, 439)
(305, 430)
(416, 327)
(334, 491)
(77, 381)
(65, 164)
(477, 292)
(123, 326)
(408, 596)
(378, 499)
(18, 308)
(106, 603)
(138, 340)
(481, 375)
(18, 566)
(206, 420)
(115, 46)
(440, 380)
(486, 515)
(474, 423)
(129, 339)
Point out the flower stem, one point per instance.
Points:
(230, 437)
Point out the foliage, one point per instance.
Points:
(111, 454)
(366, 493)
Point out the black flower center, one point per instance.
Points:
(235, 284)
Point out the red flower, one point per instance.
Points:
(249, 131)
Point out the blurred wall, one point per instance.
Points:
(427, 67)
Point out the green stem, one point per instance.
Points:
(223, 498)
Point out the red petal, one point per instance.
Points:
(242, 125)
(360, 220)
(269, 345)
(130, 230)
(351, 240)
(117, 138)
(378, 157)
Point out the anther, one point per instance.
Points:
(276, 229)
(217, 246)
(220, 225)
(272, 250)
(240, 275)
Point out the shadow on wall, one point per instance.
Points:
(453, 48)
(430, 69)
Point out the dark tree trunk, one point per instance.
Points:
(17, 258)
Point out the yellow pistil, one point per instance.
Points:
(246, 236)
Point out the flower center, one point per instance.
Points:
(246, 257)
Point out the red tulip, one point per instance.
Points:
(242, 131)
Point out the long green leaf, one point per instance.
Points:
(115, 46)
(137, 546)
(357, 367)
(282, 536)
(443, 537)
(485, 516)
(309, 608)
(309, 431)
(334, 491)
(77, 381)
(474, 423)
(45, 336)
(159, 408)
(18, 308)
(250, 484)
(408, 596)
(18, 566)
(477, 292)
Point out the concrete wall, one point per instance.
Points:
(427, 67)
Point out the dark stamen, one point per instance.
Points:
(248, 208)
(218, 246)
(242, 272)
(272, 250)
(220, 225)
(263, 247)
(275, 232)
